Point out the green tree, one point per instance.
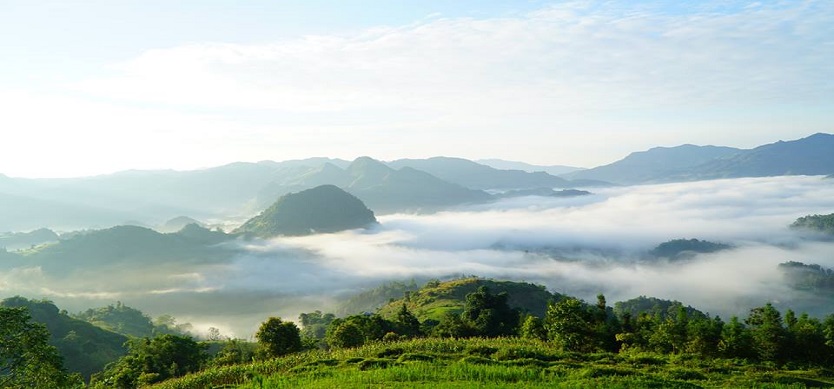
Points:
(736, 341)
(569, 324)
(767, 332)
(489, 314)
(26, 358)
(234, 351)
(345, 334)
(153, 360)
(278, 337)
(406, 323)
(533, 328)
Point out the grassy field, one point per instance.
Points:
(496, 363)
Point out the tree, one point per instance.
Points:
(569, 324)
(345, 334)
(736, 341)
(406, 323)
(26, 358)
(489, 314)
(533, 328)
(767, 332)
(279, 337)
(153, 360)
(234, 351)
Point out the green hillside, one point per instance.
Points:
(86, 349)
(495, 363)
(322, 209)
(436, 298)
(816, 223)
(131, 244)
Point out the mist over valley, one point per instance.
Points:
(599, 242)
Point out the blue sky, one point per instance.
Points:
(91, 87)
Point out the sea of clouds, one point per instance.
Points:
(578, 246)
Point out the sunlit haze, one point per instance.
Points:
(91, 87)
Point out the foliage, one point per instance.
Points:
(153, 360)
(435, 299)
(652, 306)
(371, 300)
(345, 335)
(234, 351)
(495, 363)
(120, 319)
(325, 208)
(26, 358)
(685, 248)
(569, 324)
(85, 348)
(489, 314)
(817, 223)
(278, 337)
(811, 277)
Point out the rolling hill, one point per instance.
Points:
(322, 209)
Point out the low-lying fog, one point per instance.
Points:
(579, 246)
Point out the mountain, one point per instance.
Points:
(381, 187)
(177, 224)
(86, 348)
(18, 240)
(129, 245)
(476, 176)
(813, 155)
(678, 249)
(654, 165)
(322, 209)
(543, 192)
(148, 196)
(554, 170)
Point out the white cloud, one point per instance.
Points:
(554, 86)
(579, 246)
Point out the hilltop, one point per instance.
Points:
(323, 209)
(436, 298)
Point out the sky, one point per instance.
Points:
(96, 86)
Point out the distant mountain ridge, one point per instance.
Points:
(502, 164)
(654, 164)
(240, 189)
(812, 155)
(476, 176)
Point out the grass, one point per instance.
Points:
(495, 363)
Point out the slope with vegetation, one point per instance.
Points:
(85, 348)
(817, 223)
(574, 344)
(436, 299)
(322, 209)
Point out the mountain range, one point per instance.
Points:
(240, 190)
(813, 155)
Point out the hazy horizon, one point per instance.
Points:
(89, 89)
(579, 246)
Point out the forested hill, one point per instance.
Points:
(322, 209)
(86, 349)
(436, 299)
(816, 223)
(129, 244)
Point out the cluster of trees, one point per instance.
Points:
(128, 321)
(820, 223)
(811, 277)
(643, 324)
(27, 360)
